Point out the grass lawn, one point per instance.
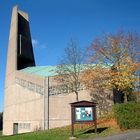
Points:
(105, 128)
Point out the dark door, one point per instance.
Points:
(15, 128)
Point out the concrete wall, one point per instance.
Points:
(23, 106)
(10, 74)
(60, 109)
(31, 110)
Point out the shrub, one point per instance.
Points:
(132, 97)
(127, 115)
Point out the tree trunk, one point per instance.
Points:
(125, 97)
(76, 96)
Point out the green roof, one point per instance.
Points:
(51, 70)
(41, 70)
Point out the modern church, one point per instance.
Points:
(32, 101)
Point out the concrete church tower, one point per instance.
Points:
(20, 51)
(20, 54)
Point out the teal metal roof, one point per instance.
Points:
(41, 70)
(51, 70)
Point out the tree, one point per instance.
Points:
(95, 76)
(119, 51)
(70, 68)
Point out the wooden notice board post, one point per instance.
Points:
(83, 112)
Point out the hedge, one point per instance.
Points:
(127, 115)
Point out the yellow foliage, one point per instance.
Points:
(121, 78)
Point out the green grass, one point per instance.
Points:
(64, 133)
(106, 126)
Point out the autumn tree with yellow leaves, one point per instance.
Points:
(115, 56)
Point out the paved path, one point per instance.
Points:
(133, 135)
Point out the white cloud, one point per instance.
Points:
(34, 42)
(37, 44)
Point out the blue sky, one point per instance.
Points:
(54, 22)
